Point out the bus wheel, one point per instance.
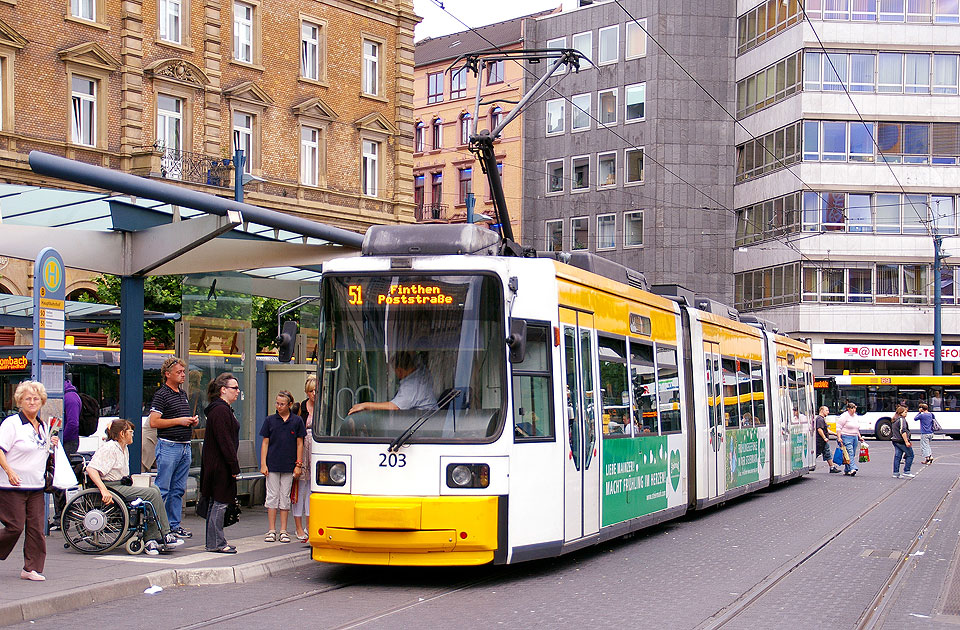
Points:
(883, 430)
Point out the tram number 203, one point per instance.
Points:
(393, 460)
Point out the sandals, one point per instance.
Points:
(224, 549)
(270, 537)
(284, 537)
(302, 537)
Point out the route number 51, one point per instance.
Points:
(356, 297)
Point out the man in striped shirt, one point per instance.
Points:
(170, 416)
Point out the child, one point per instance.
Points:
(281, 462)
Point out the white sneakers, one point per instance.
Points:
(33, 576)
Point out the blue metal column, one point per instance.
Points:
(131, 362)
(937, 308)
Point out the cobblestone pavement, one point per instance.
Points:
(825, 551)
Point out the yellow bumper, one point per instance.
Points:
(411, 531)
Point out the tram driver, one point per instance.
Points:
(414, 392)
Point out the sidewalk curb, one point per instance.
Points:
(65, 601)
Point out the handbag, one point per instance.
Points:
(838, 456)
(48, 474)
(203, 506)
(936, 426)
(864, 452)
(232, 515)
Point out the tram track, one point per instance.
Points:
(874, 614)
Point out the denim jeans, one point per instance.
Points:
(852, 444)
(215, 537)
(902, 451)
(925, 449)
(173, 467)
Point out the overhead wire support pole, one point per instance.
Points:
(937, 305)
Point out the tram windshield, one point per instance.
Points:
(396, 346)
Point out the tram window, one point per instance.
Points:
(759, 399)
(614, 392)
(643, 377)
(856, 395)
(668, 384)
(882, 398)
(731, 409)
(532, 411)
(950, 398)
(743, 393)
(911, 398)
(573, 392)
(590, 402)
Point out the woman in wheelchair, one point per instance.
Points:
(110, 465)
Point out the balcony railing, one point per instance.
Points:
(431, 212)
(194, 167)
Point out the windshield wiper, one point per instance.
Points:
(402, 439)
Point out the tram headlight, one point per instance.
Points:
(331, 473)
(468, 475)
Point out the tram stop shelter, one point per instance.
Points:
(142, 227)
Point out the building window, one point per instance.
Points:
(496, 115)
(84, 9)
(369, 167)
(419, 132)
(435, 87)
(634, 159)
(458, 84)
(84, 106)
(608, 107)
(418, 191)
(556, 114)
(579, 227)
(609, 39)
(465, 184)
(606, 169)
(243, 32)
(309, 156)
(243, 138)
(495, 72)
(633, 229)
(310, 51)
(554, 235)
(606, 231)
(170, 134)
(169, 19)
(558, 42)
(465, 124)
(944, 74)
(636, 40)
(581, 173)
(437, 134)
(436, 188)
(580, 108)
(555, 176)
(636, 98)
(371, 68)
(583, 42)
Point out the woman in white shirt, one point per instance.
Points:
(25, 444)
(109, 465)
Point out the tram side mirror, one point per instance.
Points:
(287, 341)
(517, 341)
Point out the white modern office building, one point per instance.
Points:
(848, 166)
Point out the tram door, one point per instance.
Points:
(716, 455)
(582, 466)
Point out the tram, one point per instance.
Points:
(525, 406)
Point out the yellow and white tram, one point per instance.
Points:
(535, 406)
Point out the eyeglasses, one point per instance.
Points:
(236, 387)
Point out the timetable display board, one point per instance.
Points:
(49, 293)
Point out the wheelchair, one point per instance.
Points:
(91, 526)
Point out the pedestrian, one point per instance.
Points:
(902, 446)
(301, 507)
(848, 434)
(823, 438)
(170, 416)
(25, 444)
(71, 418)
(936, 403)
(281, 462)
(220, 466)
(925, 418)
(107, 469)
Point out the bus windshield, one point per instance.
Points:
(394, 346)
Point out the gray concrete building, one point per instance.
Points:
(628, 158)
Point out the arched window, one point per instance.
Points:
(437, 133)
(496, 115)
(465, 123)
(419, 132)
